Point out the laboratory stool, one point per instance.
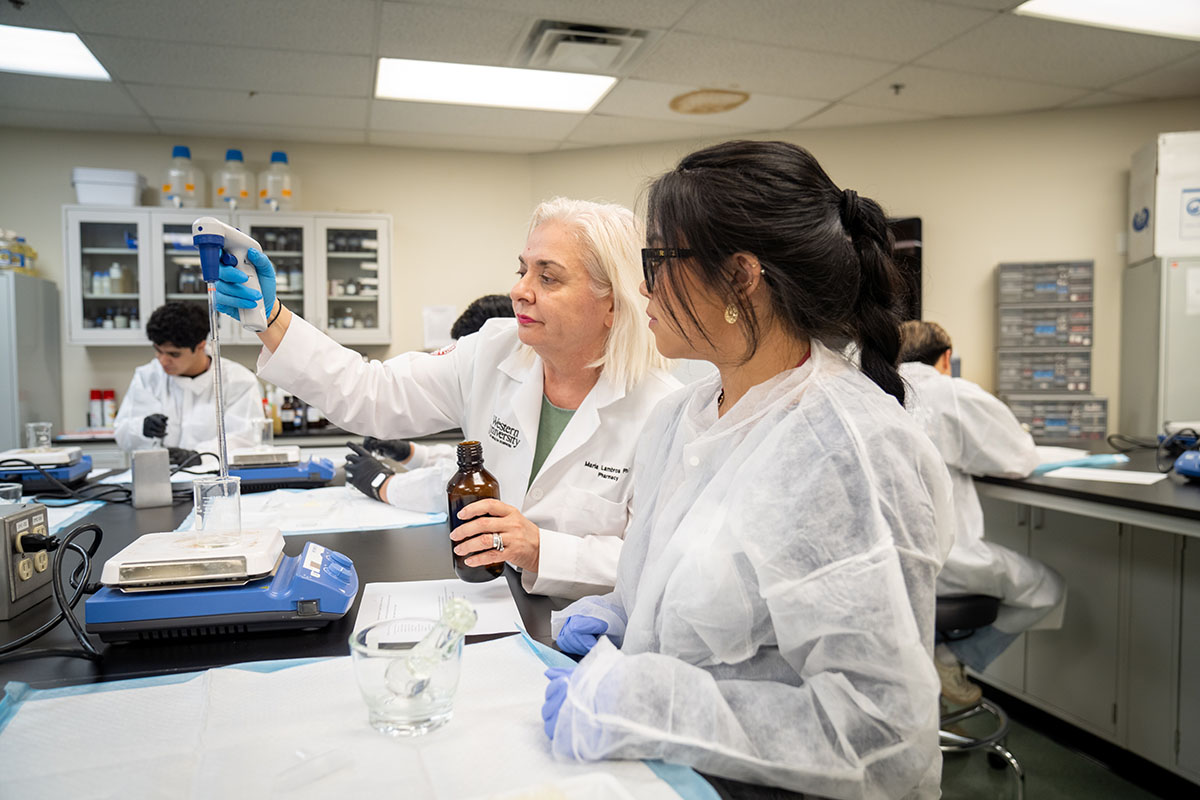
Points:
(957, 617)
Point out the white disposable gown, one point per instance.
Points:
(488, 385)
(978, 435)
(190, 407)
(775, 596)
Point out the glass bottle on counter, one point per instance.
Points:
(472, 482)
(287, 414)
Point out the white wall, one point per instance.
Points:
(1010, 188)
(1029, 187)
(459, 221)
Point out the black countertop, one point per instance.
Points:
(1174, 496)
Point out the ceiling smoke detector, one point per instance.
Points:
(575, 47)
(708, 101)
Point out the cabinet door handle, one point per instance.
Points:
(1022, 516)
(1039, 518)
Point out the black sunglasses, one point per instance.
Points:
(655, 257)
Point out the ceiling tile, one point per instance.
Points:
(1056, 52)
(238, 130)
(486, 144)
(344, 26)
(939, 92)
(843, 114)
(70, 121)
(1181, 79)
(212, 67)
(441, 33)
(1102, 99)
(263, 108)
(877, 29)
(64, 94)
(36, 15)
(617, 13)
(391, 115)
(598, 129)
(719, 63)
(634, 98)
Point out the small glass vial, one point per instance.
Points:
(472, 482)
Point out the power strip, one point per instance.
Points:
(24, 577)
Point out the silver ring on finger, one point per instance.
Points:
(497, 543)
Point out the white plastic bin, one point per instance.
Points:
(107, 187)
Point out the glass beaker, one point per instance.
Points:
(37, 435)
(218, 510)
(10, 493)
(263, 433)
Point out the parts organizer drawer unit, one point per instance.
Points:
(1044, 327)
(1037, 371)
(1049, 282)
(1061, 419)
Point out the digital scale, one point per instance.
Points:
(165, 586)
(68, 465)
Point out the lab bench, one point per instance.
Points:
(405, 554)
(1125, 666)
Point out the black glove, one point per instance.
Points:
(365, 473)
(180, 455)
(395, 449)
(154, 426)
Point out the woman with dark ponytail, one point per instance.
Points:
(772, 622)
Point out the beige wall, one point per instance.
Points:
(459, 221)
(1010, 188)
(1029, 187)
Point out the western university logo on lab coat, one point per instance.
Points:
(504, 434)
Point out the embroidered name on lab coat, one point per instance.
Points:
(506, 435)
(606, 472)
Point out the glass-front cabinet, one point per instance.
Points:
(124, 263)
(107, 295)
(355, 308)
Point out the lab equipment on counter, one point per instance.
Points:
(25, 465)
(472, 482)
(162, 586)
(151, 478)
(276, 189)
(218, 510)
(183, 184)
(233, 185)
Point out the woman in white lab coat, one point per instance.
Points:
(772, 621)
(976, 435)
(577, 362)
(172, 401)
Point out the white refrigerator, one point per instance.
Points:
(30, 356)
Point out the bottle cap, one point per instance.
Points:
(97, 394)
(279, 157)
(110, 394)
(181, 151)
(233, 155)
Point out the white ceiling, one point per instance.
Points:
(303, 70)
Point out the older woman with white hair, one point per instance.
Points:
(557, 396)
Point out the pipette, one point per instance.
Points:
(211, 236)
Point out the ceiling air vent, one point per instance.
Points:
(576, 47)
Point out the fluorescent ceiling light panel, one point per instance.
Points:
(503, 87)
(40, 52)
(1176, 19)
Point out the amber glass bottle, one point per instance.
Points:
(472, 482)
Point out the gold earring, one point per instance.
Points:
(731, 313)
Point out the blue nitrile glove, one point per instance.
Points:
(556, 693)
(229, 293)
(580, 633)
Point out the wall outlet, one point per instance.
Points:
(22, 583)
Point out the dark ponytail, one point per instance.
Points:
(877, 308)
(826, 253)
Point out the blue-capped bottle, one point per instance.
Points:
(183, 184)
(276, 186)
(233, 188)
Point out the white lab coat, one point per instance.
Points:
(491, 388)
(775, 597)
(190, 407)
(978, 435)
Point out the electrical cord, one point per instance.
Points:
(10, 651)
(1124, 443)
(63, 496)
(1171, 447)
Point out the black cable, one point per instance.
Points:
(1173, 446)
(9, 650)
(1124, 443)
(103, 493)
(197, 457)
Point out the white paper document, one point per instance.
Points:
(1106, 475)
(492, 601)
